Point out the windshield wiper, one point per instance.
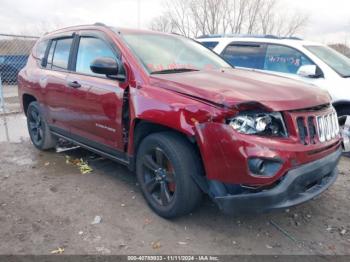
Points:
(174, 70)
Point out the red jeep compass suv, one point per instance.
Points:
(182, 118)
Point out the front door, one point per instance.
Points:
(95, 100)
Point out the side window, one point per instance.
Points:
(91, 48)
(284, 59)
(59, 53)
(245, 55)
(40, 49)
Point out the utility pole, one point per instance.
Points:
(2, 100)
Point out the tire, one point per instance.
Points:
(164, 164)
(38, 128)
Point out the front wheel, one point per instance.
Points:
(38, 128)
(165, 164)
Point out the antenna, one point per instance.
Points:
(138, 14)
(99, 24)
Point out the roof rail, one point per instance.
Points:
(292, 38)
(73, 26)
(248, 36)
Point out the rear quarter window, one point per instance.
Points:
(40, 49)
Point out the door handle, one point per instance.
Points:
(74, 84)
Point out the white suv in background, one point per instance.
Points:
(290, 57)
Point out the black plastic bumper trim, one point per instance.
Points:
(297, 186)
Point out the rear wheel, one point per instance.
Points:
(38, 128)
(164, 166)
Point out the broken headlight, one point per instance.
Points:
(253, 123)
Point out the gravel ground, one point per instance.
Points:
(46, 204)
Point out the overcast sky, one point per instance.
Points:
(329, 19)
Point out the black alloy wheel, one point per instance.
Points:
(159, 176)
(35, 127)
(38, 128)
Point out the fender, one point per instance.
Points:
(174, 111)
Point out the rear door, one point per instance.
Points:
(95, 100)
(54, 82)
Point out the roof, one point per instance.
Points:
(249, 36)
(290, 41)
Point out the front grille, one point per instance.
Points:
(322, 128)
(327, 127)
(303, 134)
(313, 109)
(312, 129)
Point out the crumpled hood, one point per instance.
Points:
(231, 87)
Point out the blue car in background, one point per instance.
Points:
(10, 65)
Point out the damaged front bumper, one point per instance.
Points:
(297, 186)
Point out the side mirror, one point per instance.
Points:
(107, 66)
(308, 71)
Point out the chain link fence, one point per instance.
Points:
(14, 53)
